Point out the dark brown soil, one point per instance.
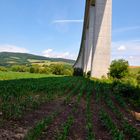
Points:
(128, 116)
(78, 131)
(16, 130)
(115, 119)
(51, 132)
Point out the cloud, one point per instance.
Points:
(53, 54)
(12, 48)
(122, 48)
(47, 53)
(126, 29)
(129, 50)
(68, 21)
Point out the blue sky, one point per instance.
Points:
(54, 27)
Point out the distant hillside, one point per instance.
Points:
(8, 59)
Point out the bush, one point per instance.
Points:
(124, 89)
(68, 72)
(34, 69)
(3, 68)
(48, 70)
(78, 72)
(18, 68)
(57, 69)
(45, 70)
(119, 69)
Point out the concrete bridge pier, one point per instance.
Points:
(95, 50)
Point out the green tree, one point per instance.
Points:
(19, 68)
(119, 68)
(34, 69)
(57, 69)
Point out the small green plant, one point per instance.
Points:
(132, 132)
(89, 116)
(36, 132)
(66, 127)
(112, 128)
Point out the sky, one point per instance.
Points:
(53, 28)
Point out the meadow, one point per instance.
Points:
(18, 75)
(42, 107)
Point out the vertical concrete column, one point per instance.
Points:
(80, 62)
(102, 38)
(90, 38)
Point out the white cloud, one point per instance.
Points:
(131, 57)
(47, 53)
(12, 48)
(122, 48)
(126, 29)
(53, 54)
(68, 21)
(130, 50)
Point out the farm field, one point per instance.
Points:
(134, 69)
(41, 107)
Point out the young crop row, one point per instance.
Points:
(111, 105)
(42, 125)
(66, 127)
(109, 124)
(78, 90)
(103, 91)
(82, 91)
(14, 105)
(13, 89)
(34, 133)
(127, 128)
(89, 113)
(120, 100)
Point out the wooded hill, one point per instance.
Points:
(9, 58)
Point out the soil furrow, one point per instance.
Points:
(16, 130)
(100, 131)
(127, 115)
(78, 130)
(51, 132)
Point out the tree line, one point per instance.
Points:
(57, 69)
